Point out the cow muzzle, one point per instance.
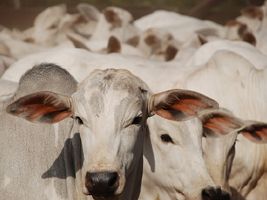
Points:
(212, 193)
(102, 184)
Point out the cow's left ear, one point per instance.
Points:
(45, 107)
(255, 131)
(219, 122)
(179, 104)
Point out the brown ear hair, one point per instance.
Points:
(170, 52)
(45, 107)
(114, 45)
(179, 104)
(255, 131)
(219, 122)
(112, 17)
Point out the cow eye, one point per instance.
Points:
(79, 120)
(137, 120)
(166, 138)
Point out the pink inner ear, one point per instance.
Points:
(257, 136)
(61, 116)
(165, 114)
(37, 110)
(189, 106)
(263, 134)
(250, 137)
(221, 125)
(46, 107)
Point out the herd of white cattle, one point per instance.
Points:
(165, 107)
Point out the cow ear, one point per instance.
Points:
(170, 52)
(88, 11)
(78, 42)
(179, 104)
(45, 107)
(249, 37)
(114, 45)
(255, 131)
(219, 122)
(112, 17)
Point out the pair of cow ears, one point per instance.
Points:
(45, 107)
(179, 105)
(49, 107)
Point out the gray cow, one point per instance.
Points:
(28, 150)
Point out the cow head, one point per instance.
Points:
(236, 30)
(110, 109)
(158, 44)
(177, 147)
(219, 151)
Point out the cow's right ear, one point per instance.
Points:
(255, 131)
(45, 107)
(179, 104)
(217, 122)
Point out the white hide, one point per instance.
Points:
(237, 80)
(180, 26)
(80, 63)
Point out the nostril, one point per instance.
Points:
(212, 193)
(88, 181)
(208, 193)
(113, 179)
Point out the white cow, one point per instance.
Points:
(156, 44)
(238, 85)
(180, 26)
(116, 22)
(174, 167)
(203, 55)
(109, 110)
(81, 62)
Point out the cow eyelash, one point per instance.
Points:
(166, 138)
(137, 120)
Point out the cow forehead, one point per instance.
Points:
(116, 79)
(110, 87)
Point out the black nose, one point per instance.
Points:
(102, 183)
(211, 193)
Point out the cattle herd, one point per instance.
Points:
(97, 105)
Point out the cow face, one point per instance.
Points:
(110, 108)
(179, 160)
(221, 129)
